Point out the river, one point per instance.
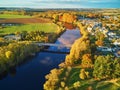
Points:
(31, 75)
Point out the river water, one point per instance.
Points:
(31, 75)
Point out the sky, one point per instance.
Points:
(61, 3)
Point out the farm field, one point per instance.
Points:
(4, 16)
(18, 23)
(46, 27)
(24, 20)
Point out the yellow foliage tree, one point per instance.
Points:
(82, 74)
(69, 18)
(76, 84)
(79, 48)
(62, 84)
(86, 61)
(9, 54)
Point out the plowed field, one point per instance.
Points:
(25, 20)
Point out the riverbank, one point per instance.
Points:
(10, 55)
(82, 70)
(31, 74)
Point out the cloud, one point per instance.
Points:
(101, 1)
(61, 3)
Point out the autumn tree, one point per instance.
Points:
(9, 54)
(14, 53)
(100, 39)
(99, 43)
(82, 74)
(87, 61)
(52, 80)
(79, 48)
(55, 17)
(67, 17)
(76, 85)
(62, 84)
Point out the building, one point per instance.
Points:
(104, 49)
(12, 37)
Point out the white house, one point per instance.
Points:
(116, 42)
(104, 49)
(107, 17)
(12, 37)
(89, 29)
(111, 33)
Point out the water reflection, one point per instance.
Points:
(67, 38)
(3, 75)
(46, 60)
(12, 72)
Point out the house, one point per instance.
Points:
(12, 37)
(117, 54)
(107, 17)
(104, 49)
(89, 29)
(111, 34)
(117, 42)
(105, 32)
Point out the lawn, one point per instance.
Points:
(46, 27)
(7, 16)
(89, 83)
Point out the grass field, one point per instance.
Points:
(89, 83)
(6, 16)
(46, 27)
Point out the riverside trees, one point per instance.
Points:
(86, 65)
(80, 52)
(14, 53)
(67, 17)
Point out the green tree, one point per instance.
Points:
(116, 68)
(106, 67)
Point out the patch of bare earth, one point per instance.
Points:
(25, 20)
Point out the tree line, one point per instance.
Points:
(15, 53)
(91, 66)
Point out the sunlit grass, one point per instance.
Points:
(46, 27)
(90, 82)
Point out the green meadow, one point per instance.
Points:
(46, 27)
(90, 83)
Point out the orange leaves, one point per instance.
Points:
(99, 43)
(86, 61)
(86, 57)
(67, 17)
